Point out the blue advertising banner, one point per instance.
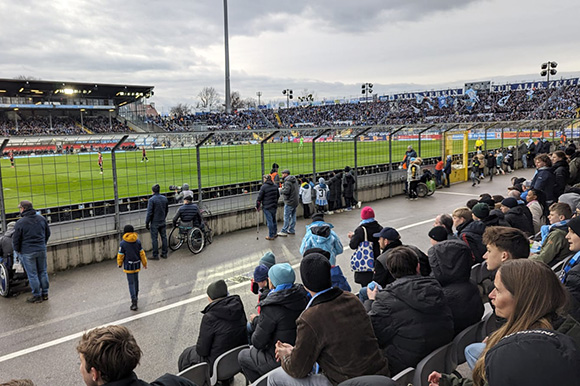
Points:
(534, 85)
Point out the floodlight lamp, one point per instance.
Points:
(370, 85)
(68, 91)
(284, 92)
(363, 86)
(553, 71)
(291, 97)
(553, 64)
(544, 66)
(544, 73)
(290, 92)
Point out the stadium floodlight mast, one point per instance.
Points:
(548, 68)
(227, 49)
(367, 90)
(289, 95)
(259, 94)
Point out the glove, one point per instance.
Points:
(147, 226)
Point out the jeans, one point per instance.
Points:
(472, 353)
(525, 161)
(271, 222)
(133, 280)
(35, 266)
(279, 377)
(289, 219)
(160, 228)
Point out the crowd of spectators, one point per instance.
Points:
(28, 126)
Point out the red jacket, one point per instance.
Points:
(439, 165)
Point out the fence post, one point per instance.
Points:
(116, 183)
(262, 142)
(356, 156)
(2, 203)
(314, 152)
(198, 157)
(390, 175)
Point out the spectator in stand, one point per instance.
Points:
(366, 231)
(446, 221)
(276, 322)
(523, 153)
(410, 316)
(157, 208)
(447, 171)
(439, 172)
(268, 197)
(348, 186)
(570, 274)
(561, 171)
(574, 165)
(409, 154)
(499, 162)
(319, 234)
(335, 195)
(305, 194)
(321, 190)
(470, 232)
(515, 216)
(537, 204)
(336, 276)
(321, 340)
(289, 193)
(222, 328)
(544, 179)
(553, 246)
(490, 162)
(474, 175)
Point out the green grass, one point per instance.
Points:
(68, 179)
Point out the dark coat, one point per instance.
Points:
(471, 234)
(348, 183)
(188, 213)
(572, 284)
(335, 332)
(495, 218)
(545, 180)
(157, 209)
(364, 278)
(410, 318)
(335, 186)
(517, 219)
(447, 168)
(268, 196)
(382, 275)
(562, 172)
(164, 380)
(289, 191)
(450, 262)
(31, 233)
(6, 248)
(223, 327)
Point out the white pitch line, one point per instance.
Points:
(460, 194)
(145, 314)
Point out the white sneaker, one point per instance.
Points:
(358, 204)
(282, 234)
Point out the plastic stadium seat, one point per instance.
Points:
(369, 380)
(463, 339)
(489, 325)
(198, 374)
(227, 365)
(436, 361)
(263, 380)
(405, 377)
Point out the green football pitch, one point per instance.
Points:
(59, 180)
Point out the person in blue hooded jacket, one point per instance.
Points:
(319, 234)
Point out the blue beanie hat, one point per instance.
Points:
(281, 274)
(261, 273)
(268, 260)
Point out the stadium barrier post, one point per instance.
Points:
(3, 206)
(198, 158)
(363, 131)
(324, 131)
(116, 185)
(262, 143)
(390, 175)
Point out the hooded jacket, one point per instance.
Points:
(471, 233)
(223, 327)
(517, 218)
(268, 196)
(348, 182)
(31, 233)
(410, 318)
(450, 262)
(319, 234)
(131, 254)
(289, 191)
(335, 186)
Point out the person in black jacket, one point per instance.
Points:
(570, 274)
(371, 226)
(276, 322)
(268, 197)
(544, 179)
(470, 232)
(515, 216)
(561, 170)
(410, 316)
(335, 195)
(188, 213)
(223, 327)
(450, 261)
(157, 208)
(348, 185)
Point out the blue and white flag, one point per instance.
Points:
(419, 98)
(503, 101)
(530, 94)
(416, 110)
(430, 106)
(469, 104)
(472, 94)
(442, 100)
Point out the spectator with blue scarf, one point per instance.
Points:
(276, 322)
(570, 274)
(553, 247)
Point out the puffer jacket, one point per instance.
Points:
(277, 320)
(562, 172)
(516, 218)
(157, 208)
(188, 213)
(545, 180)
(348, 183)
(471, 234)
(495, 218)
(450, 262)
(319, 234)
(31, 233)
(289, 191)
(410, 318)
(268, 196)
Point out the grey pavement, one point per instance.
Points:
(38, 341)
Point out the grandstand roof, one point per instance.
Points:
(41, 91)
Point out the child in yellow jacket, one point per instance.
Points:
(130, 256)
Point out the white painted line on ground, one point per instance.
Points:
(460, 194)
(145, 314)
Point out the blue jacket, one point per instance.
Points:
(545, 180)
(31, 233)
(157, 208)
(319, 234)
(188, 213)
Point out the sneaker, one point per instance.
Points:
(348, 209)
(154, 258)
(34, 299)
(282, 234)
(134, 306)
(45, 297)
(358, 204)
(269, 238)
(331, 212)
(292, 233)
(473, 184)
(164, 256)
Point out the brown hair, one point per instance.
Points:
(402, 261)
(538, 298)
(545, 159)
(111, 350)
(463, 212)
(507, 239)
(560, 154)
(561, 209)
(18, 382)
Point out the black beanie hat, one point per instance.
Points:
(128, 229)
(574, 224)
(315, 272)
(481, 210)
(317, 250)
(438, 233)
(217, 289)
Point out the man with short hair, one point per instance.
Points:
(157, 209)
(325, 337)
(267, 200)
(446, 221)
(554, 247)
(289, 192)
(188, 214)
(31, 233)
(504, 243)
(109, 355)
(470, 232)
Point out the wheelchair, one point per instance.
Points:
(11, 282)
(196, 237)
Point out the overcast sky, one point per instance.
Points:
(329, 47)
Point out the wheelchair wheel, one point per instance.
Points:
(422, 189)
(195, 240)
(208, 234)
(175, 239)
(4, 281)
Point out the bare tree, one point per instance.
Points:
(180, 109)
(251, 102)
(25, 77)
(237, 101)
(208, 98)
